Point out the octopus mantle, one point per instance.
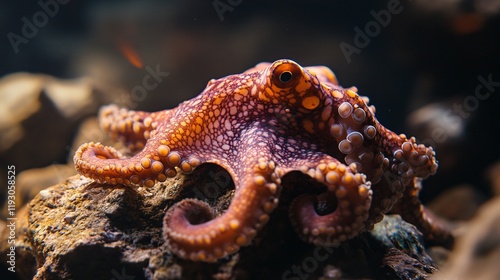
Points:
(260, 125)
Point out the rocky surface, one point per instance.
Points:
(24, 261)
(79, 229)
(30, 182)
(477, 252)
(83, 230)
(46, 109)
(39, 118)
(459, 203)
(404, 255)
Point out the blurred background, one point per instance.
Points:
(431, 68)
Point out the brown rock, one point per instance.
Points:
(457, 204)
(477, 252)
(30, 182)
(84, 230)
(81, 229)
(16, 238)
(42, 111)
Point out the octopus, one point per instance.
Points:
(261, 125)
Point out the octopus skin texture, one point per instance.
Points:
(260, 125)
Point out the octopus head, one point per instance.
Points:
(285, 82)
(310, 100)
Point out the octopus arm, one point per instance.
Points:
(411, 210)
(193, 232)
(132, 128)
(345, 188)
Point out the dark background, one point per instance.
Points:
(430, 54)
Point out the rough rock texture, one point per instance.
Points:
(477, 252)
(30, 182)
(78, 221)
(25, 263)
(83, 230)
(39, 116)
(404, 255)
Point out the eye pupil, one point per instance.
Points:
(286, 76)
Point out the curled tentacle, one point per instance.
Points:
(347, 190)
(193, 233)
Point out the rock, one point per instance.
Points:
(457, 204)
(32, 181)
(402, 266)
(18, 93)
(404, 255)
(80, 229)
(439, 254)
(17, 239)
(79, 220)
(46, 109)
(477, 251)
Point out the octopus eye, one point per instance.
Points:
(286, 76)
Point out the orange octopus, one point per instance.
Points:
(270, 120)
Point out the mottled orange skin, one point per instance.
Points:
(260, 125)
